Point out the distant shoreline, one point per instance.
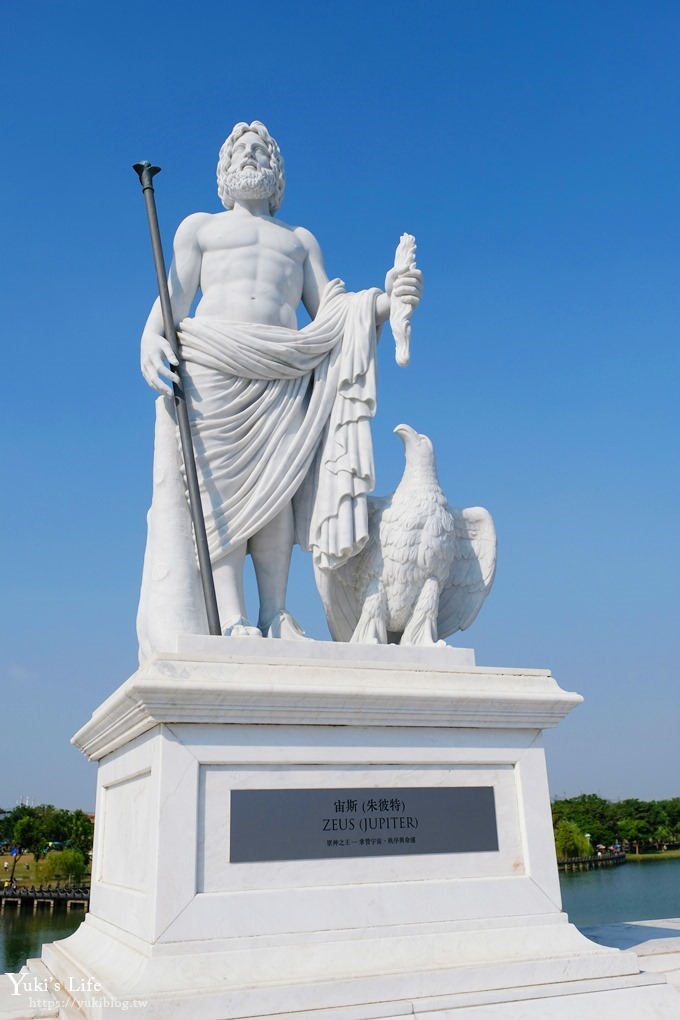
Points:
(660, 855)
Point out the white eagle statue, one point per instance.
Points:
(425, 569)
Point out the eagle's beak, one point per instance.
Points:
(405, 432)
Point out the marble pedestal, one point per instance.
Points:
(192, 935)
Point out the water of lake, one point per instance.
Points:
(22, 934)
(631, 892)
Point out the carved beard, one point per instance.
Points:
(250, 182)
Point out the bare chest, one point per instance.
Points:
(230, 234)
(252, 269)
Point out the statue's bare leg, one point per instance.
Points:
(228, 578)
(271, 550)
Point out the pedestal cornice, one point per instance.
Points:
(212, 680)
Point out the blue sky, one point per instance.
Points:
(533, 150)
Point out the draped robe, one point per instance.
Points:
(276, 415)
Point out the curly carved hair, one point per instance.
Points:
(275, 161)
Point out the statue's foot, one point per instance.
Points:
(285, 626)
(240, 627)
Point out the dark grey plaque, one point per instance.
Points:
(302, 825)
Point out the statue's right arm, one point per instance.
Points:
(158, 360)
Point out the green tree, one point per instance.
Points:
(672, 809)
(591, 813)
(31, 829)
(81, 833)
(10, 818)
(570, 841)
(27, 836)
(663, 835)
(30, 835)
(63, 864)
(634, 831)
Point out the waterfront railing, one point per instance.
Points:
(62, 897)
(608, 860)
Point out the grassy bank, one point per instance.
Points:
(27, 872)
(662, 855)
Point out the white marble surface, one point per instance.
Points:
(426, 568)
(295, 398)
(202, 648)
(656, 943)
(401, 312)
(424, 934)
(621, 998)
(174, 923)
(274, 682)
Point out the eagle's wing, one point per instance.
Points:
(343, 590)
(472, 571)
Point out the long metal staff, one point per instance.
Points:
(146, 173)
